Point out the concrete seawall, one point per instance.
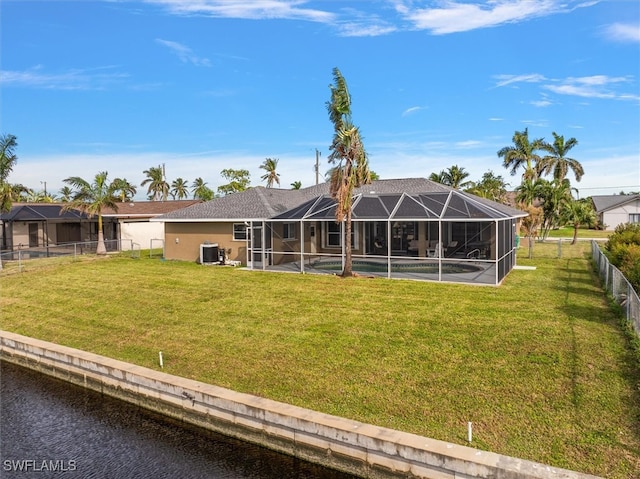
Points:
(361, 449)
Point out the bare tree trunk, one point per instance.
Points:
(575, 233)
(101, 249)
(347, 245)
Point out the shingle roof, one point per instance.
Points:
(606, 202)
(40, 212)
(147, 209)
(262, 203)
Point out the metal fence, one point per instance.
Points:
(68, 249)
(619, 287)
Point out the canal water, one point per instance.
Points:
(50, 428)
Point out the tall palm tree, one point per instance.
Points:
(349, 157)
(522, 154)
(271, 175)
(557, 160)
(296, 185)
(92, 199)
(201, 191)
(554, 194)
(124, 190)
(158, 189)
(179, 189)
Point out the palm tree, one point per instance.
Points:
(439, 177)
(522, 154)
(296, 185)
(577, 213)
(554, 195)
(92, 198)
(349, 157)
(529, 190)
(201, 191)
(270, 165)
(8, 159)
(455, 177)
(179, 189)
(557, 160)
(124, 190)
(66, 194)
(158, 189)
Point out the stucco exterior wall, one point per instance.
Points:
(620, 215)
(141, 232)
(183, 240)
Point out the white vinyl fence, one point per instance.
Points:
(616, 284)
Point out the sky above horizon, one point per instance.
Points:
(204, 85)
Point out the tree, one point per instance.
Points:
(92, 199)
(158, 189)
(124, 190)
(179, 189)
(522, 154)
(239, 180)
(349, 158)
(296, 185)
(529, 190)
(201, 191)
(439, 177)
(554, 195)
(66, 194)
(557, 160)
(491, 187)
(531, 224)
(577, 213)
(271, 175)
(8, 159)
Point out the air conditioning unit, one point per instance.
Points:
(209, 253)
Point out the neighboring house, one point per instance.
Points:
(33, 225)
(614, 210)
(133, 225)
(406, 228)
(47, 225)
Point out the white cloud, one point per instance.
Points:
(185, 54)
(504, 80)
(542, 103)
(412, 110)
(452, 17)
(248, 9)
(595, 86)
(75, 79)
(623, 32)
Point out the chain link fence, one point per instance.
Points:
(616, 284)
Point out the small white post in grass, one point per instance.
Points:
(161, 363)
(469, 431)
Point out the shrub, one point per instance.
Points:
(623, 250)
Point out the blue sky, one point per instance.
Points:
(203, 85)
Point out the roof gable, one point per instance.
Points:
(607, 202)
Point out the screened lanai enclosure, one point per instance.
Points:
(439, 236)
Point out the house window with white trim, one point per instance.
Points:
(239, 232)
(332, 233)
(634, 217)
(288, 231)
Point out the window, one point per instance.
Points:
(288, 231)
(332, 235)
(239, 232)
(634, 217)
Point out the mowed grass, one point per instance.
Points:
(540, 365)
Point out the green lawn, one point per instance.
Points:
(540, 365)
(567, 232)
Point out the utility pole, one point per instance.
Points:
(317, 168)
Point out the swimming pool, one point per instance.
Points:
(366, 266)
